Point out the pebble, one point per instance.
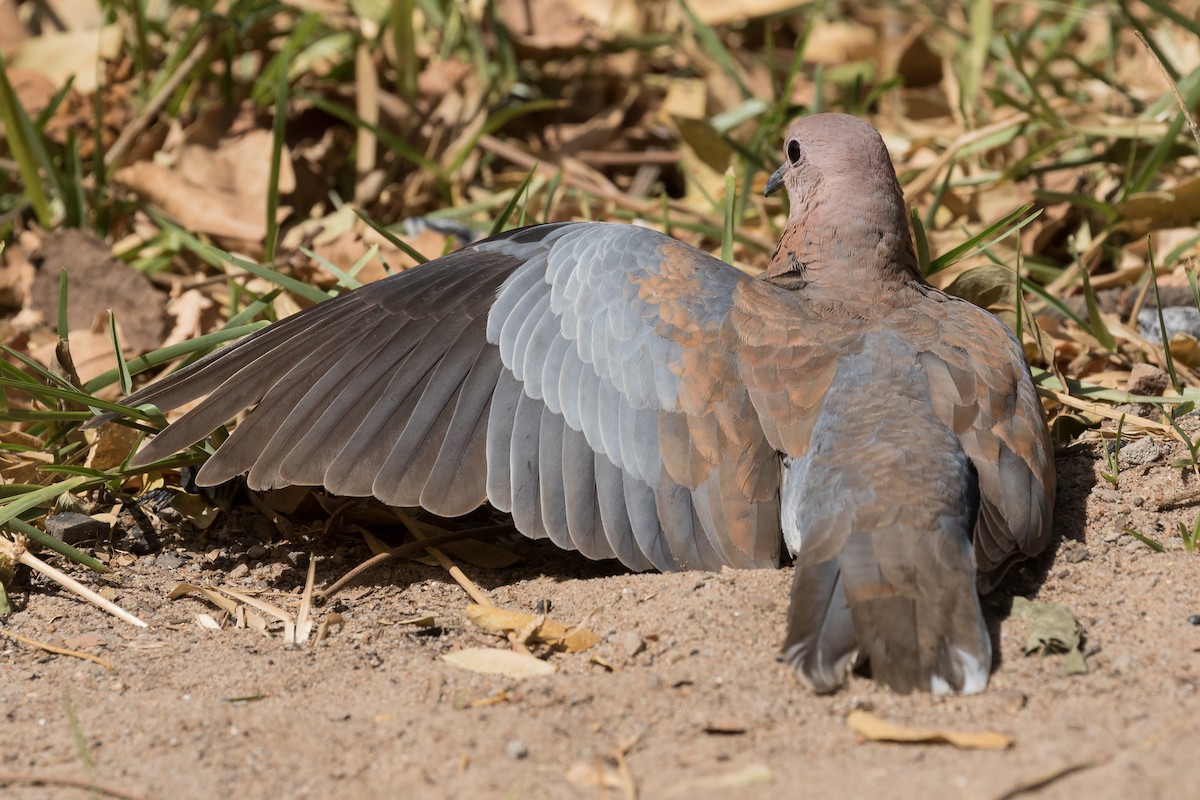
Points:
(1194, 619)
(1147, 379)
(73, 528)
(297, 558)
(1176, 319)
(238, 572)
(1143, 451)
(629, 643)
(169, 560)
(256, 551)
(1107, 495)
(1076, 554)
(516, 749)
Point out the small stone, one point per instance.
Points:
(1143, 451)
(516, 749)
(256, 551)
(1147, 379)
(629, 643)
(238, 572)
(73, 528)
(1075, 554)
(169, 560)
(1194, 619)
(297, 558)
(1106, 495)
(1176, 319)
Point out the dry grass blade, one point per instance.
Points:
(408, 549)
(68, 782)
(21, 554)
(1183, 106)
(62, 651)
(473, 591)
(304, 621)
(1041, 780)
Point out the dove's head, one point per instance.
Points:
(846, 204)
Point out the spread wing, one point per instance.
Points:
(582, 376)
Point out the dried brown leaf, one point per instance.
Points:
(552, 632)
(876, 729)
(490, 661)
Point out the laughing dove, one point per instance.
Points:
(629, 396)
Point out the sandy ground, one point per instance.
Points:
(696, 705)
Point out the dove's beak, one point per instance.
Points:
(775, 181)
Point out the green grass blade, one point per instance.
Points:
(345, 279)
(1098, 328)
(72, 396)
(1162, 325)
(715, 48)
(985, 238)
(511, 206)
(727, 227)
(50, 543)
(1146, 540)
(123, 375)
(921, 241)
(165, 355)
(22, 149)
(392, 239)
(64, 330)
(15, 506)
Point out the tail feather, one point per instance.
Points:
(821, 645)
(924, 634)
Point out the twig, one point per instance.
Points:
(142, 121)
(459, 576)
(62, 651)
(1187, 115)
(67, 582)
(1045, 779)
(86, 784)
(304, 621)
(605, 158)
(405, 549)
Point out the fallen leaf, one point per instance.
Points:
(1052, 629)
(594, 773)
(216, 598)
(60, 56)
(875, 729)
(111, 445)
(552, 632)
(490, 661)
(96, 282)
(750, 775)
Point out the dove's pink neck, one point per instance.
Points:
(846, 249)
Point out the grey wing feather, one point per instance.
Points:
(535, 370)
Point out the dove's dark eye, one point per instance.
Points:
(793, 150)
